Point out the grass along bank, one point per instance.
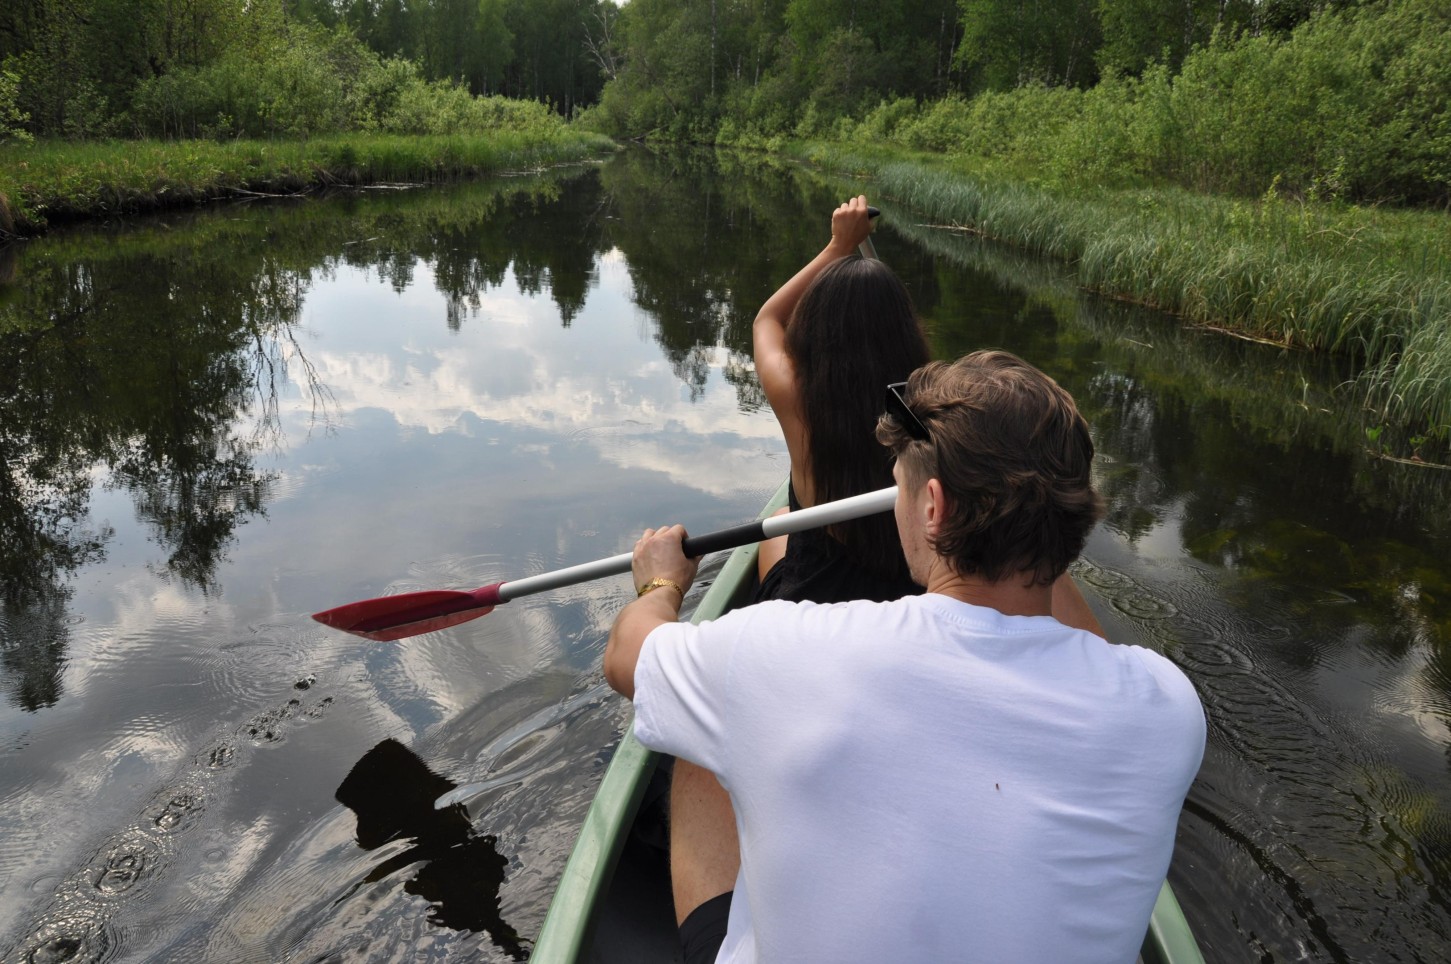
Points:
(52, 181)
(1370, 283)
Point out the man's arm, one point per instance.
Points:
(658, 556)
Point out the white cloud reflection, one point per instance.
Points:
(602, 381)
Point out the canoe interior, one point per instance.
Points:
(635, 920)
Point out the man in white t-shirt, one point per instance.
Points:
(957, 776)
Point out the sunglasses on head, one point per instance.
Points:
(904, 416)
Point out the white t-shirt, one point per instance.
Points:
(927, 780)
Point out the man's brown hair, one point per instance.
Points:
(1012, 454)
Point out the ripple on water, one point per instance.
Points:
(1144, 605)
(218, 756)
(236, 676)
(1101, 577)
(181, 810)
(70, 935)
(124, 864)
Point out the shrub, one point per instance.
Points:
(883, 121)
(940, 126)
(378, 91)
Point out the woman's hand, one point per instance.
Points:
(850, 224)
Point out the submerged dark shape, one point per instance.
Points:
(391, 791)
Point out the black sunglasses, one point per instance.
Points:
(897, 409)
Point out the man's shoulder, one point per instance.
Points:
(1169, 695)
(1162, 668)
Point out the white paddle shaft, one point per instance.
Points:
(830, 513)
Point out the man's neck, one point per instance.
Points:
(1010, 596)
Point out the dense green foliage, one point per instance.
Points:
(98, 68)
(1349, 105)
(1317, 98)
(1341, 97)
(1204, 157)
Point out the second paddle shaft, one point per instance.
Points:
(842, 510)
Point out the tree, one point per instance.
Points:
(1013, 43)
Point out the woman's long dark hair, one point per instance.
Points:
(853, 332)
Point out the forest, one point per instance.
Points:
(1313, 97)
(1234, 96)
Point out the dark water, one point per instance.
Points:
(217, 423)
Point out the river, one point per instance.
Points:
(219, 421)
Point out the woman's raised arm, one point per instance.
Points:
(850, 224)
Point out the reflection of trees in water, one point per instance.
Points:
(1285, 519)
(34, 634)
(538, 228)
(142, 357)
(1293, 398)
(118, 361)
(140, 366)
(44, 491)
(702, 259)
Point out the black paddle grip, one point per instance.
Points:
(697, 546)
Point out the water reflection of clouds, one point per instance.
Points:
(602, 381)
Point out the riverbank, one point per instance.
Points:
(50, 182)
(1370, 283)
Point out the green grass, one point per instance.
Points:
(1372, 284)
(50, 181)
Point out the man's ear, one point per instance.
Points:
(936, 505)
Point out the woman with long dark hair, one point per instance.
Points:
(826, 344)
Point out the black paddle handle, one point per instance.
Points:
(697, 546)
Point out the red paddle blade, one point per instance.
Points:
(411, 613)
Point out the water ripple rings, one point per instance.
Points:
(69, 935)
(180, 812)
(271, 726)
(1143, 605)
(76, 928)
(124, 863)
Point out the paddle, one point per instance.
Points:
(867, 249)
(387, 618)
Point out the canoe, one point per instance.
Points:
(613, 902)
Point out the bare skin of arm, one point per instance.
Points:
(850, 224)
(704, 852)
(657, 555)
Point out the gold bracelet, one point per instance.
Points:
(656, 583)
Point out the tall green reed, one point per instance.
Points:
(1371, 284)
